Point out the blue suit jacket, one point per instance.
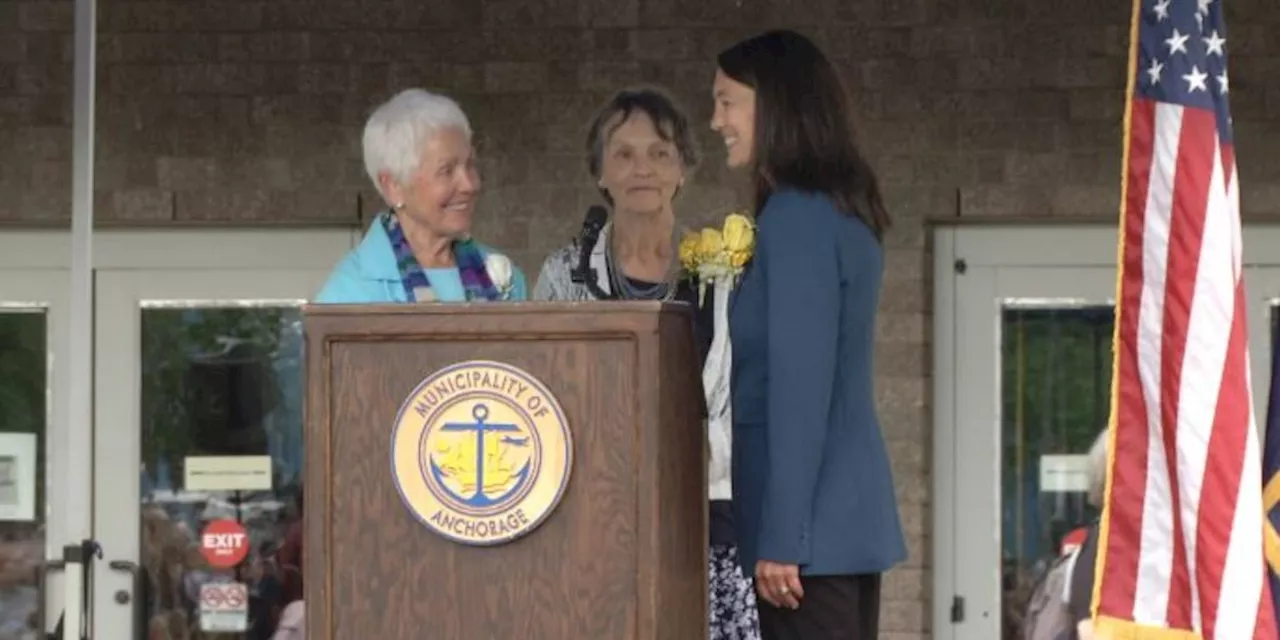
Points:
(368, 274)
(811, 479)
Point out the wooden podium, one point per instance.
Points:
(621, 556)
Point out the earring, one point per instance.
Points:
(398, 207)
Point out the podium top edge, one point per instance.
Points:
(500, 308)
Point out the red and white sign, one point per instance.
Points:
(224, 544)
(224, 607)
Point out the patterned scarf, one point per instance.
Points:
(466, 253)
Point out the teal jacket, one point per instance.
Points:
(368, 274)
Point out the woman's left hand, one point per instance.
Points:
(779, 584)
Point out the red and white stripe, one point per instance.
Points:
(1183, 546)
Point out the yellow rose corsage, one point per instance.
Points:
(712, 254)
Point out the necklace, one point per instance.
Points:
(627, 289)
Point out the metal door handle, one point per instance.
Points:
(140, 594)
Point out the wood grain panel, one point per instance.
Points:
(623, 556)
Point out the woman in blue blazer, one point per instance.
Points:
(812, 488)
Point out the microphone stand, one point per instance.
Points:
(584, 274)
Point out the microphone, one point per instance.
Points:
(592, 225)
(596, 218)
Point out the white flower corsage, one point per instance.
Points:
(500, 272)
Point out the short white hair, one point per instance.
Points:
(399, 128)
(1098, 468)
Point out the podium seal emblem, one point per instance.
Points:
(481, 453)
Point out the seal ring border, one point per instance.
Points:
(565, 430)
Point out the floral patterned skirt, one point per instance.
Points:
(733, 598)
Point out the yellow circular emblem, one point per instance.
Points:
(481, 452)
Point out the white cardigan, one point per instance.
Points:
(555, 283)
(715, 383)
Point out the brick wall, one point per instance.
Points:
(243, 111)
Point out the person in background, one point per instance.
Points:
(639, 151)
(817, 521)
(418, 153)
(290, 620)
(1058, 606)
(293, 623)
(1080, 582)
(21, 554)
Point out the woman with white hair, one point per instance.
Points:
(1080, 589)
(418, 153)
(1059, 606)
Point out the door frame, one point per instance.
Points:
(194, 249)
(43, 254)
(959, 247)
(45, 287)
(123, 295)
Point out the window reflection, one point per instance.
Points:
(1055, 396)
(220, 382)
(23, 412)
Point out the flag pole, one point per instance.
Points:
(1127, 132)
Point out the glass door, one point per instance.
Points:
(32, 347)
(199, 391)
(1262, 284)
(1039, 351)
(1024, 323)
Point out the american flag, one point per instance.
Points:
(1181, 548)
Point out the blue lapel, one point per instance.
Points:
(742, 279)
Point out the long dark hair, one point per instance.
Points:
(804, 136)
